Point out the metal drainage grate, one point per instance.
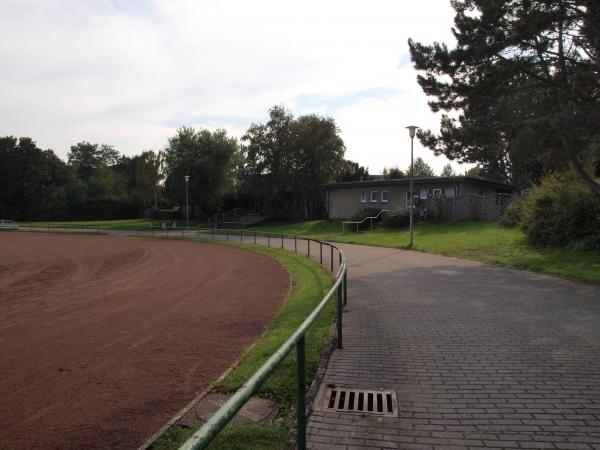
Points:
(379, 403)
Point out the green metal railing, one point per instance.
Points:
(211, 428)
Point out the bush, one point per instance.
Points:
(363, 213)
(397, 219)
(512, 215)
(562, 212)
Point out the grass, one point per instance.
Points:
(309, 284)
(481, 241)
(110, 224)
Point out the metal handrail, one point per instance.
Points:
(380, 213)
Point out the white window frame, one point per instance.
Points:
(449, 190)
(437, 192)
(385, 199)
(363, 197)
(373, 196)
(422, 194)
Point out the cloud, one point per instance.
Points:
(129, 73)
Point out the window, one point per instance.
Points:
(437, 192)
(363, 197)
(450, 192)
(384, 196)
(423, 194)
(373, 196)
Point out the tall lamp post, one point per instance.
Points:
(412, 131)
(187, 209)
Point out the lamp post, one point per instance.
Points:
(412, 131)
(187, 209)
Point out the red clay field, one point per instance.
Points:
(104, 338)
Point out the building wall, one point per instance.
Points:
(343, 202)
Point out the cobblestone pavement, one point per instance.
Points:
(479, 356)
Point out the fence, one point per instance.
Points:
(469, 207)
(329, 257)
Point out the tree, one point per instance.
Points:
(448, 171)
(209, 158)
(88, 158)
(392, 173)
(352, 171)
(147, 169)
(32, 180)
(288, 161)
(474, 171)
(520, 90)
(422, 169)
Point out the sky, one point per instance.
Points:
(129, 73)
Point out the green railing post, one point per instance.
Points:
(308, 244)
(321, 253)
(269, 240)
(301, 401)
(331, 247)
(227, 234)
(295, 244)
(241, 238)
(339, 324)
(346, 286)
(212, 234)
(282, 240)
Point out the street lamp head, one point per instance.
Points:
(187, 178)
(412, 129)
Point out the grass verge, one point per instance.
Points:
(309, 285)
(481, 241)
(125, 224)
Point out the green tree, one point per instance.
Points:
(521, 88)
(288, 160)
(422, 169)
(209, 158)
(147, 170)
(448, 171)
(352, 171)
(32, 180)
(392, 173)
(87, 158)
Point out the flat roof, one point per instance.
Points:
(401, 181)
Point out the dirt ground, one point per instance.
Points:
(104, 338)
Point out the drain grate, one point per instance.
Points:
(379, 403)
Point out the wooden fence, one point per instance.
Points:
(469, 207)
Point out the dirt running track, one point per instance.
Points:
(104, 338)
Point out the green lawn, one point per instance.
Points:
(480, 241)
(310, 284)
(110, 224)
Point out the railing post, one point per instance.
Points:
(227, 234)
(345, 286)
(331, 247)
(48, 227)
(197, 233)
(281, 240)
(65, 227)
(241, 238)
(295, 244)
(82, 228)
(212, 234)
(255, 237)
(269, 240)
(339, 324)
(321, 253)
(301, 400)
(308, 244)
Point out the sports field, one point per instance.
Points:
(104, 338)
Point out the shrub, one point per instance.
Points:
(397, 219)
(562, 212)
(511, 217)
(362, 213)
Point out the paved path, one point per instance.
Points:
(480, 356)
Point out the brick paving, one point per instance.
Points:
(480, 356)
